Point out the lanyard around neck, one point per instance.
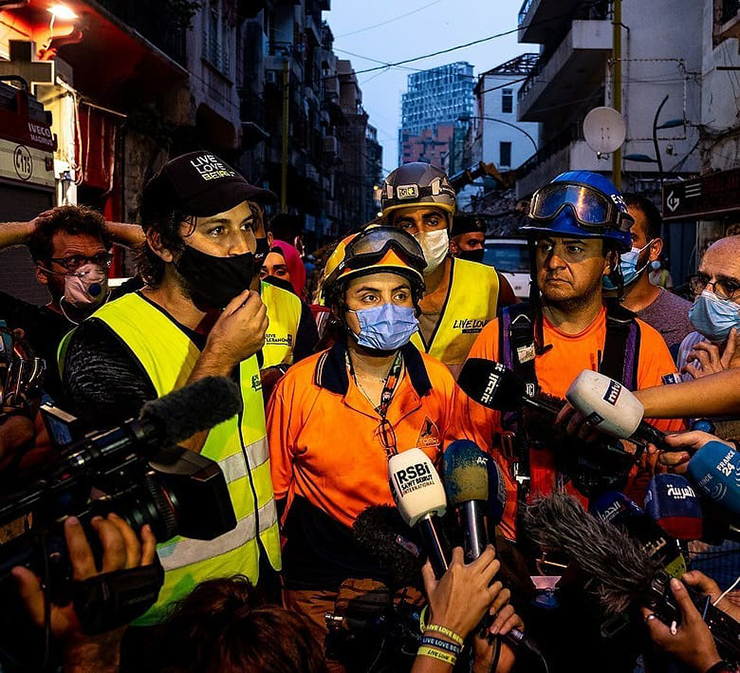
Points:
(391, 381)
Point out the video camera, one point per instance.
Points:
(137, 471)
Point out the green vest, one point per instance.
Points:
(284, 312)
(472, 300)
(239, 445)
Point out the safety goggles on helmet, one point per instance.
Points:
(592, 209)
(371, 246)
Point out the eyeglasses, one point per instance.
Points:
(723, 287)
(74, 262)
(387, 436)
(593, 209)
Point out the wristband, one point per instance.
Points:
(445, 632)
(426, 651)
(441, 644)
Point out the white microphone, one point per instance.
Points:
(611, 408)
(420, 498)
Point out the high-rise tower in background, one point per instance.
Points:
(430, 112)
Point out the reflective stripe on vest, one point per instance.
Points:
(284, 312)
(472, 300)
(239, 445)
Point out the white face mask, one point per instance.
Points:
(435, 245)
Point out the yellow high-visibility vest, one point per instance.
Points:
(239, 445)
(284, 311)
(472, 300)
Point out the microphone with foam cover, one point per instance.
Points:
(163, 422)
(466, 483)
(617, 509)
(672, 503)
(611, 408)
(497, 387)
(420, 498)
(715, 469)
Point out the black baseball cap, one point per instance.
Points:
(198, 184)
(466, 223)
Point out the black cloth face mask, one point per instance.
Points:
(472, 255)
(212, 282)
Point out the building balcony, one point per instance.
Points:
(545, 21)
(571, 72)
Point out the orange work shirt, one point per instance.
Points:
(325, 436)
(556, 369)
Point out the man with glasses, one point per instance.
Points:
(578, 225)
(70, 246)
(659, 308)
(715, 314)
(336, 417)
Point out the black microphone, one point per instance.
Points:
(497, 387)
(163, 422)
(619, 575)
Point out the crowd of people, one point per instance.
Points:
(344, 359)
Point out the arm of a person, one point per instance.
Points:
(715, 395)
(15, 233)
(103, 380)
(506, 295)
(121, 550)
(127, 235)
(307, 335)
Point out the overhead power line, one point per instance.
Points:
(385, 23)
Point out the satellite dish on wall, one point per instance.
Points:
(603, 129)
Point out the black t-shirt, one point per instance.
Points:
(45, 328)
(104, 382)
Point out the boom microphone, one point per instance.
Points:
(715, 469)
(618, 573)
(420, 498)
(611, 408)
(163, 422)
(497, 387)
(617, 509)
(381, 532)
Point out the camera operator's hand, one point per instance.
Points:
(121, 549)
(686, 444)
(708, 587)
(238, 333)
(692, 643)
(710, 358)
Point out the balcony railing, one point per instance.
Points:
(156, 24)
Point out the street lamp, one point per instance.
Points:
(467, 118)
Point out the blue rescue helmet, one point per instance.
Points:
(583, 204)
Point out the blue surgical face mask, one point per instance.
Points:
(628, 265)
(714, 317)
(386, 327)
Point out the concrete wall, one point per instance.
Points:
(660, 33)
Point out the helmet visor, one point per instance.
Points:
(592, 208)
